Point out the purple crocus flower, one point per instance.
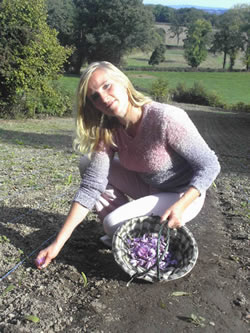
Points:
(142, 251)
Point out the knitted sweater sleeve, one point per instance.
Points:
(95, 179)
(185, 140)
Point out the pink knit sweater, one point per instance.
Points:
(167, 152)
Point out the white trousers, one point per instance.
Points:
(114, 207)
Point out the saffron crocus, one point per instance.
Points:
(143, 250)
(40, 262)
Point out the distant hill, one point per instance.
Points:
(211, 10)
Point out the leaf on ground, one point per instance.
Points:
(32, 318)
(180, 293)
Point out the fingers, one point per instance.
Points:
(174, 221)
(165, 216)
(42, 260)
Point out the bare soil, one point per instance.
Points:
(39, 175)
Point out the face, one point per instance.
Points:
(107, 95)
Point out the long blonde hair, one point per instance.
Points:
(92, 126)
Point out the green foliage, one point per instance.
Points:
(31, 59)
(107, 30)
(241, 107)
(162, 13)
(195, 45)
(229, 38)
(167, 14)
(160, 90)
(176, 27)
(62, 16)
(197, 94)
(158, 55)
(162, 33)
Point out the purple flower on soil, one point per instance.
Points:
(143, 251)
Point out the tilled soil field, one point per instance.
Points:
(84, 290)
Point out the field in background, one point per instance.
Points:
(232, 87)
(174, 58)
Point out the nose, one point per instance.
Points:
(104, 96)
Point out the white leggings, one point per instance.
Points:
(114, 207)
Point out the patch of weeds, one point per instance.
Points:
(4, 239)
(162, 305)
(8, 289)
(19, 142)
(194, 319)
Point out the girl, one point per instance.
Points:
(139, 149)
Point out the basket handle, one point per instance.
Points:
(159, 258)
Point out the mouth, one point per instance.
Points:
(108, 106)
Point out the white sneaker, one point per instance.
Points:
(106, 240)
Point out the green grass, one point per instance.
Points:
(231, 87)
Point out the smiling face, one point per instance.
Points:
(107, 95)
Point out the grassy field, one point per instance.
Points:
(232, 87)
(174, 58)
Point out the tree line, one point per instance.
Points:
(184, 16)
(228, 34)
(41, 39)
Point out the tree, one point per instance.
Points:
(176, 27)
(162, 13)
(30, 58)
(62, 17)
(229, 38)
(244, 12)
(162, 34)
(108, 29)
(189, 15)
(195, 45)
(158, 55)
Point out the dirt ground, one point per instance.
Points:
(38, 178)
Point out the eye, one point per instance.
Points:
(106, 86)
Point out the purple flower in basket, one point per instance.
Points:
(143, 250)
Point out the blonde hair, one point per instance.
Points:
(92, 126)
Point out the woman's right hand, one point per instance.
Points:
(46, 255)
(76, 214)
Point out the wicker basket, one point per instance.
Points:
(182, 246)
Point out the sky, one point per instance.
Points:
(203, 3)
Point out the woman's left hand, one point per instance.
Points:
(175, 212)
(174, 216)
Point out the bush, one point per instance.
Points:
(53, 101)
(31, 58)
(160, 91)
(197, 94)
(158, 55)
(241, 107)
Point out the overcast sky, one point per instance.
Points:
(208, 3)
